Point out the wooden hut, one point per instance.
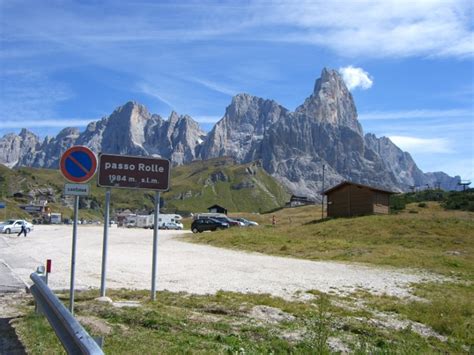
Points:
(296, 201)
(349, 199)
(217, 209)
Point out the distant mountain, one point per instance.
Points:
(291, 146)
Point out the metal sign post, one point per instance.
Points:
(322, 195)
(155, 246)
(132, 172)
(78, 165)
(73, 254)
(105, 243)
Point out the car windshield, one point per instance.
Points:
(10, 221)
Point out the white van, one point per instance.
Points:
(163, 219)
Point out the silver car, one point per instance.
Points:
(14, 226)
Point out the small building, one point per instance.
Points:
(350, 199)
(296, 201)
(217, 209)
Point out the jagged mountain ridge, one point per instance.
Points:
(292, 146)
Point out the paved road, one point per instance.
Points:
(11, 294)
(9, 282)
(186, 266)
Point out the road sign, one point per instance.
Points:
(77, 189)
(133, 172)
(2, 205)
(78, 164)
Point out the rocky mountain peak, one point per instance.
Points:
(174, 117)
(331, 102)
(329, 77)
(27, 134)
(70, 132)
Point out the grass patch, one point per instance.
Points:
(447, 308)
(227, 323)
(432, 239)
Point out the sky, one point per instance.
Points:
(409, 64)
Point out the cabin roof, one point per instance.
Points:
(344, 183)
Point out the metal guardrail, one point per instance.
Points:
(69, 331)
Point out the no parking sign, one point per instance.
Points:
(78, 164)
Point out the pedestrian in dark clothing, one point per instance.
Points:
(23, 230)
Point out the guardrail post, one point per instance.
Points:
(40, 271)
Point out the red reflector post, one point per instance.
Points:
(48, 266)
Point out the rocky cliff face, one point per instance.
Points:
(130, 129)
(292, 146)
(13, 148)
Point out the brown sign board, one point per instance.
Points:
(132, 172)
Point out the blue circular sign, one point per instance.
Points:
(78, 164)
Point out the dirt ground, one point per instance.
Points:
(186, 266)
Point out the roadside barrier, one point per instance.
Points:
(69, 331)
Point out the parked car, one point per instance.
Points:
(230, 221)
(246, 222)
(172, 225)
(207, 224)
(14, 226)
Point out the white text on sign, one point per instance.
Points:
(154, 168)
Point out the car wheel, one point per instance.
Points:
(28, 230)
(195, 230)
(8, 231)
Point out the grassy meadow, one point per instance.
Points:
(429, 238)
(231, 323)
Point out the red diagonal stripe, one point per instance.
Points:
(74, 160)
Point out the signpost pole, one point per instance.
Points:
(155, 245)
(73, 257)
(322, 195)
(105, 242)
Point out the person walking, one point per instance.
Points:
(23, 229)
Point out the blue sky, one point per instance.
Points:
(409, 64)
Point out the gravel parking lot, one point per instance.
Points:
(184, 266)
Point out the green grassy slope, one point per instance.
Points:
(246, 187)
(429, 238)
(194, 187)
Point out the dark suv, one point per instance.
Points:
(207, 224)
(231, 222)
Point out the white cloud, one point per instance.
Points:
(32, 94)
(40, 123)
(223, 89)
(379, 28)
(421, 113)
(362, 28)
(153, 92)
(356, 77)
(422, 145)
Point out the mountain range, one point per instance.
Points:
(293, 146)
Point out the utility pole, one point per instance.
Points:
(322, 195)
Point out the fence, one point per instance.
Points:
(72, 335)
